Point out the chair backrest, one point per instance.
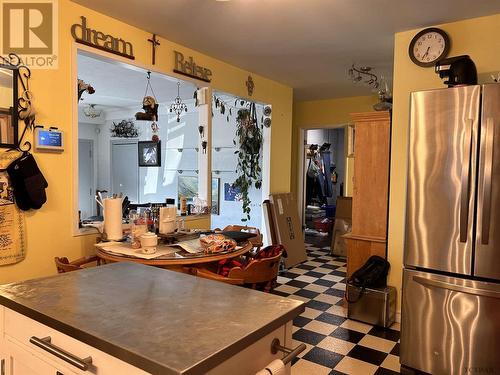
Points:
(257, 271)
(63, 265)
(207, 274)
(242, 228)
(255, 241)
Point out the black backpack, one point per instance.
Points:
(373, 274)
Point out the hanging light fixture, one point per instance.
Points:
(178, 106)
(363, 74)
(366, 76)
(384, 96)
(91, 112)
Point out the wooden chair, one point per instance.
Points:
(257, 273)
(209, 274)
(64, 265)
(255, 241)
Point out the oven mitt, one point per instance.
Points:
(28, 183)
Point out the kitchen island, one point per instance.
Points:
(135, 319)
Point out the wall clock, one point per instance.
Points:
(429, 46)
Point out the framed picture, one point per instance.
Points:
(231, 193)
(149, 153)
(187, 186)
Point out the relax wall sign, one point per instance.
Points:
(97, 39)
(190, 68)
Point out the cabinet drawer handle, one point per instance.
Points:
(45, 344)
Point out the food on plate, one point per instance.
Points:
(216, 243)
(207, 240)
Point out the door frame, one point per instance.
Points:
(301, 151)
(121, 142)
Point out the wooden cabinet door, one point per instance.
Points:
(371, 174)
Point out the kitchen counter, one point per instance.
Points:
(156, 320)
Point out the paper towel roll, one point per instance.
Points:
(276, 367)
(113, 218)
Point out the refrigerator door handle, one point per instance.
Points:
(465, 182)
(488, 166)
(457, 288)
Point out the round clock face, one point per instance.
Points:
(429, 46)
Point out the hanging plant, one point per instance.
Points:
(124, 129)
(249, 139)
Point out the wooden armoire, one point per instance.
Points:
(370, 200)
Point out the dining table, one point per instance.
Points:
(175, 261)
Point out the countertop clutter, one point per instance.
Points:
(159, 321)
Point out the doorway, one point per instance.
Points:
(325, 179)
(125, 171)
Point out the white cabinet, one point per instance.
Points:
(62, 355)
(23, 361)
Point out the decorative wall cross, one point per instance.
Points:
(250, 85)
(154, 43)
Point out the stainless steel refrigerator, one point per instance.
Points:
(451, 280)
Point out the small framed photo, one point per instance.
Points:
(149, 153)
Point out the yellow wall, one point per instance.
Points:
(477, 37)
(319, 113)
(49, 230)
(5, 97)
(325, 114)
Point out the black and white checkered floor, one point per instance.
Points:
(335, 344)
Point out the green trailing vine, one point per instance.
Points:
(249, 139)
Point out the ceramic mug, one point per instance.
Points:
(149, 241)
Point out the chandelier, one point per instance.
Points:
(178, 106)
(91, 112)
